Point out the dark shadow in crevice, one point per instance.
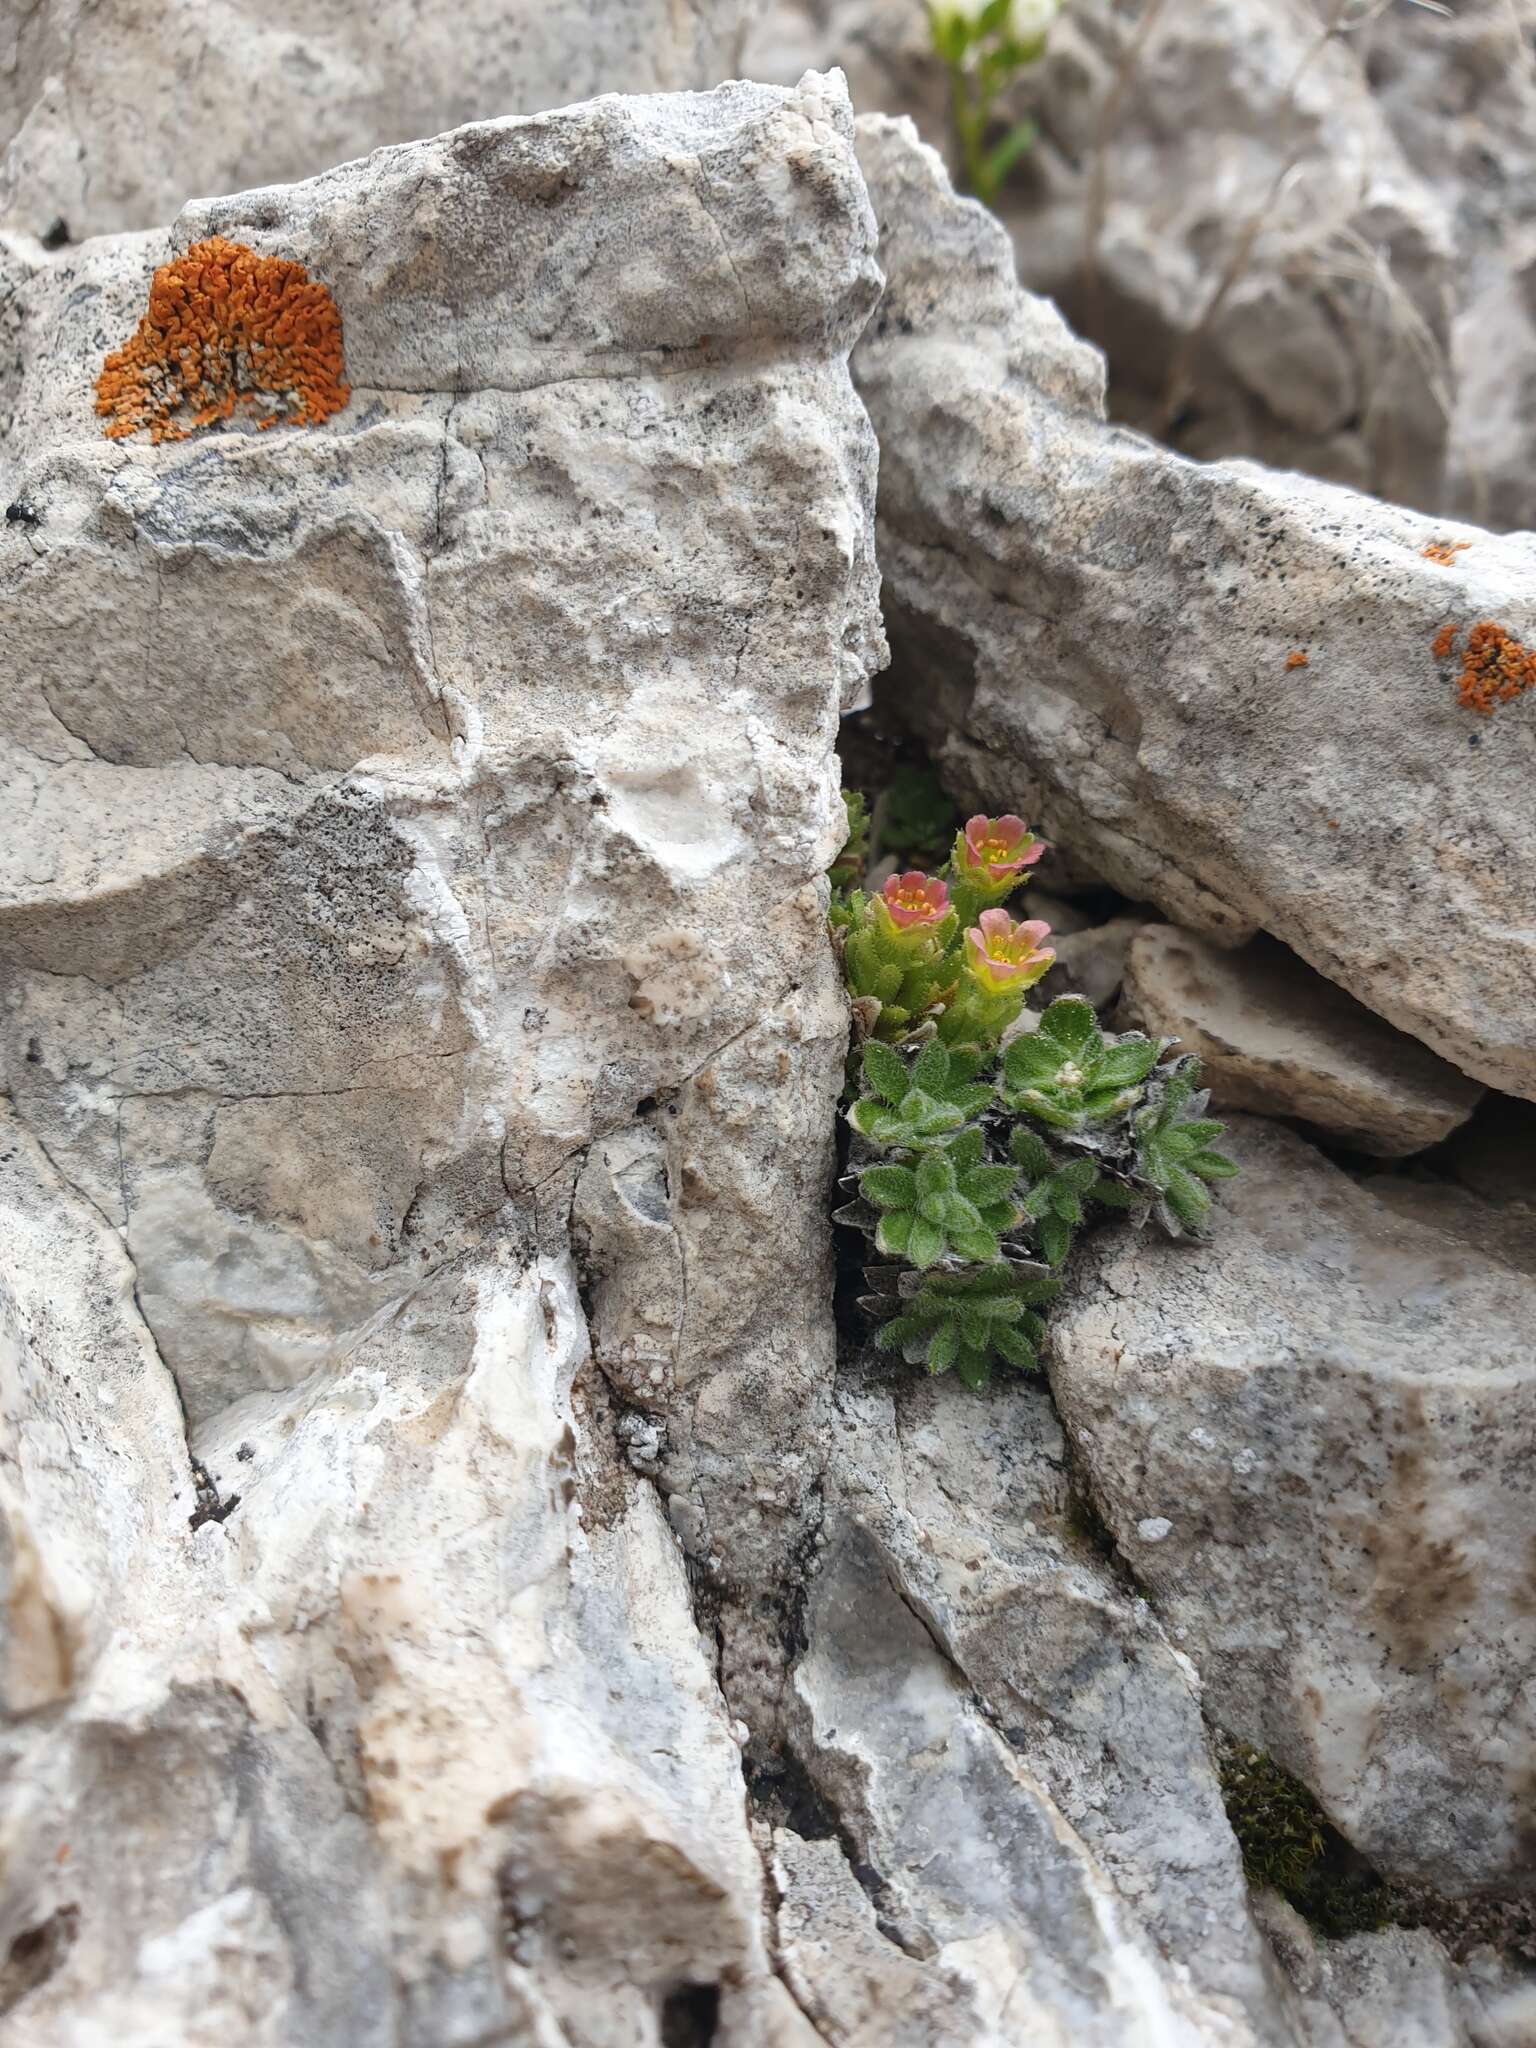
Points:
(690, 2016)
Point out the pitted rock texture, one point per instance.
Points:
(1218, 199)
(1276, 1038)
(113, 115)
(1098, 633)
(422, 821)
(1314, 1441)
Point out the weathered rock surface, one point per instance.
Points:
(1459, 90)
(1276, 1038)
(1012, 1742)
(421, 828)
(1218, 200)
(1314, 1439)
(1393, 1989)
(113, 115)
(1506, 1232)
(1091, 962)
(1097, 633)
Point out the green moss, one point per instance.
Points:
(1289, 1846)
(1278, 1824)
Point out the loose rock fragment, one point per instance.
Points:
(1275, 1037)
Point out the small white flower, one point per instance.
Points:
(1031, 18)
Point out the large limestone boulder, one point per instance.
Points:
(1218, 200)
(418, 882)
(1101, 635)
(1314, 1440)
(113, 114)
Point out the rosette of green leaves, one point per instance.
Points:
(1069, 1075)
(1174, 1154)
(1057, 1192)
(971, 1319)
(948, 1205)
(911, 1107)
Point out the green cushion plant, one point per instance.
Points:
(975, 1162)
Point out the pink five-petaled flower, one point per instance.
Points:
(1006, 957)
(993, 850)
(914, 902)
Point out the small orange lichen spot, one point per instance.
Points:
(1495, 668)
(1295, 659)
(1445, 551)
(1444, 640)
(226, 328)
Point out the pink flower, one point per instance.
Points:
(1006, 957)
(914, 901)
(993, 850)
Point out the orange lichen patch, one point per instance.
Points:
(1495, 667)
(1444, 641)
(1445, 551)
(1295, 659)
(226, 328)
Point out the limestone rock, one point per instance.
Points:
(1098, 634)
(1091, 962)
(993, 1718)
(1313, 1438)
(1392, 1989)
(113, 115)
(858, 1986)
(1500, 1231)
(1459, 91)
(1274, 1037)
(418, 884)
(976, 1874)
(1218, 200)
